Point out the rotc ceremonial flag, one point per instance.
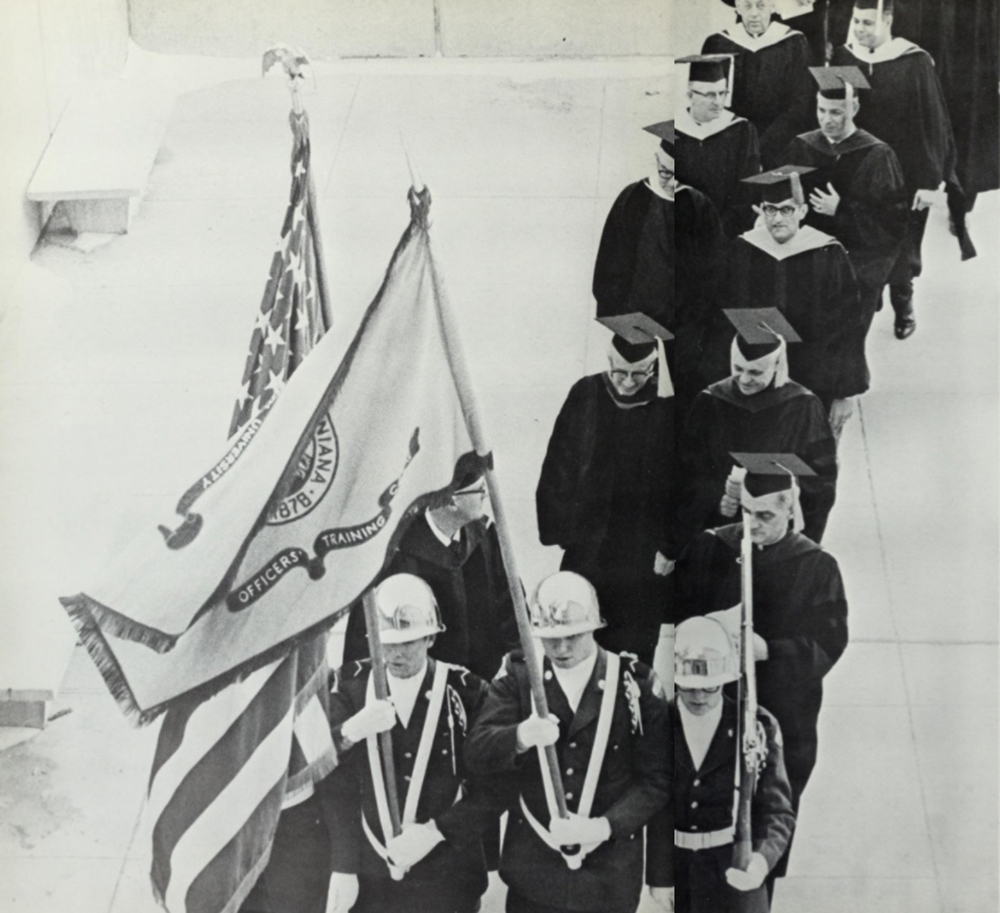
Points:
(269, 548)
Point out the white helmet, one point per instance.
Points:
(564, 604)
(406, 609)
(704, 656)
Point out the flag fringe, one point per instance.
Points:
(83, 611)
(91, 634)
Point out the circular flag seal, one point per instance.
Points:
(313, 476)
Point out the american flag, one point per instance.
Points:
(225, 766)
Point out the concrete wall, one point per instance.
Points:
(406, 28)
(46, 47)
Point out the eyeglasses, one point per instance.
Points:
(702, 690)
(711, 96)
(771, 210)
(619, 375)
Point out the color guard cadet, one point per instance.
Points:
(436, 864)
(608, 725)
(690, 856)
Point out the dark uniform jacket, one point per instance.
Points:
(470, 586)
(455, 870)
(634, 782)
(800, 609)
(703, 802)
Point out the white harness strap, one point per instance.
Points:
(594, 765)
(419, 767)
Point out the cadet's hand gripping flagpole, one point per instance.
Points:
(467, 398)
(746, 742)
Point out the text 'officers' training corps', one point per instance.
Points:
(689, 485)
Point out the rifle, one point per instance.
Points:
(748, 747)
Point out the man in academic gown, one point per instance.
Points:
(907, 110)
(856, 192)
(689, 856)
(806, 275)
(448, 541)
(436, 863)
(715, 149)
(756, 410)
(771, 86)
(603, 492)
(607, 723)
(800, 609)
(634, 270)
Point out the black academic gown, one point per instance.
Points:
(870, 220)
(816, 290)
(800, 609)
(703, 802)
(602, 496)
(723, 421)
(771, 86)
(716, 163)
(470, 585)
(634, 266)
(699, 243)
(906, 108)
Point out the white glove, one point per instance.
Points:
(342, 893)
(534, 732)
(373, 718)
(576, 830)
(663, 898)
(752, 878)
(413, 843)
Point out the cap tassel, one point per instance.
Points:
(664, 383)
(797, 193)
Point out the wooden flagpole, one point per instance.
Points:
(470, 409)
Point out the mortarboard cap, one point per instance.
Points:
(839, 82)
(758, 330)
(636, 328)
(708, 67)
(780, 183)
(665, 131)
(768, 473)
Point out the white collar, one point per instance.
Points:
(653, 183)
(404, 692)
(773, 34)
(890, 50)
(687, 125)
(574, 681)
(439, 533)
(808, 238)
(699, 730)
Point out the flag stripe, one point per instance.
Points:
(312, 732)
(227, 814)
(205, 723)
(204, 782)
(227, 880)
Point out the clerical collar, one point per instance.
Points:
(653, 183)
(405, 692)
(890, 50)
(808, 238)
(699, 730)
(574, 681)
(687, 125)
(775, 33)
(439, 534)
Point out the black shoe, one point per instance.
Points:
(906, 322)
